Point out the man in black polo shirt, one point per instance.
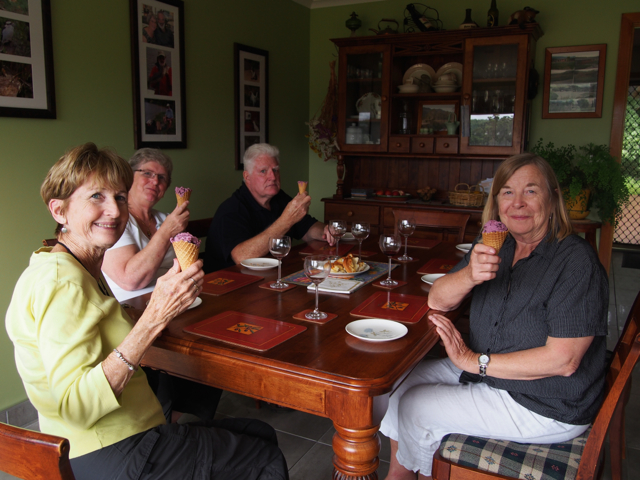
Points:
(257, 211)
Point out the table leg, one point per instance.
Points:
(355, 453)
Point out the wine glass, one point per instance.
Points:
(390, 245)
(337, 228)
(279, 248)
(360, 232)
(406, 227)
(316, 268)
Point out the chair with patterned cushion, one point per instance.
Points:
(464, 457)
(34, 455)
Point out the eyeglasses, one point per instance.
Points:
(151, 175)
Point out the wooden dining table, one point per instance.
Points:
(323, 370)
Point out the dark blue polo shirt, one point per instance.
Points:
(560, 290)
(240, 218)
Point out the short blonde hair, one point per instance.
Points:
(559, 223)
(76, 166)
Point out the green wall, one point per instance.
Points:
(91, 47)
(564, 23)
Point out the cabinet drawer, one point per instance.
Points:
(399, 144)
(422, 145)
(351, 213)
(447, 145)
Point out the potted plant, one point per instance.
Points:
(589, 174)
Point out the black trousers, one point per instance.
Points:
(175, 393)
(229, 449)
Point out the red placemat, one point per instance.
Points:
(438, 265)
(393, 306)
(323, 248)
(422, 242)
(301, 316)
(245, 330)
(225, 281)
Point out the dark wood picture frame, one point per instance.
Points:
(159, 100)
(28, 90)
(433, 114)
(251, 98)
(575, 91)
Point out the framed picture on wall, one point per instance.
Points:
(574, 81)
(26, 59)
(434, 115)
(251, 80)
(157, 51)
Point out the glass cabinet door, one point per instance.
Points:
(363, 105)
(494, 93)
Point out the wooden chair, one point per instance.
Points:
(49, 242)
(441, 220)
(34, 455)
(610, 419)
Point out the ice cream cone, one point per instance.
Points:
(186, 252)
(182, 194)
(302, 186)
(494, 239)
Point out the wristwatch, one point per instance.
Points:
(483, 361)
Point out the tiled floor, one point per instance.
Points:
(306, 439)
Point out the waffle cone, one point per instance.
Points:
(302, 186)
(187, 253)
(494, 239)
(183, 198)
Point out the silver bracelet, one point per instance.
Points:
(119, 355)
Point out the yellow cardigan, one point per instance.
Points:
(62, 328)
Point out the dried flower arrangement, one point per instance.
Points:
(323, 128)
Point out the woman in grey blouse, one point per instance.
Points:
(534, 369)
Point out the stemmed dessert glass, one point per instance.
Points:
(406, 227)
(360, 232)
(390, 245)
(279, 248)
(316, 268)
(337, 228)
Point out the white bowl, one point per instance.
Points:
(408, 88)
(445, 88)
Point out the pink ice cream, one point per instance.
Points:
(182, 190)
(494, 226)
(186, 237)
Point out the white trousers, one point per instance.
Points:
(431, 403)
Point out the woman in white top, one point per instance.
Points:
(142, 255)
(144, 252)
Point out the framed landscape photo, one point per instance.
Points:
(574, 81)
(434, 115)
(251, 80)
(26, 59)
(157, 52)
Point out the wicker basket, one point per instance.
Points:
(472, 196)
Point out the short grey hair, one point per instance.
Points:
(145, 155)
(257, 150)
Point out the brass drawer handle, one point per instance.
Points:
(445, 145)
(421, 144)
(349, 214)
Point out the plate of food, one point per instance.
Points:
(348, 266)
(376, 330)
(348, 237)
(432, 277)
(465, 247)
(422, 75)
(453, 67)
(260, 263)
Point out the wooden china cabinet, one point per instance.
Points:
(383, 144)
